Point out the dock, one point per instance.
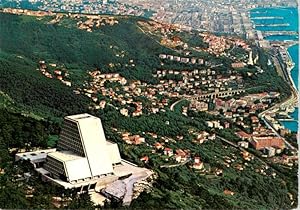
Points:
(272, 25)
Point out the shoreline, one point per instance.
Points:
(295, 93)
(290, 68)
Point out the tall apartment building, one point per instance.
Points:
(82, 152)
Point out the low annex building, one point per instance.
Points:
(83, 159)
(260, 143)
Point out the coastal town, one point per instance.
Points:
(209, 71)
(221, 16)
(204, 88)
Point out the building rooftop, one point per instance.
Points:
(34, 155)
(64, 156)
(79, 117)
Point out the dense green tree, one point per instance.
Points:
(81, 201)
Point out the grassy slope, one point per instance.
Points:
(33, 92)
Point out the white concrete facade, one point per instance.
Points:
(114, 153)
(99, 155)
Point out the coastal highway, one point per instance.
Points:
(288, 102)
(291, 101)
(285, 73)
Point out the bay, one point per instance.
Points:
(265, 19)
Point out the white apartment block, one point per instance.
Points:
(82, 143)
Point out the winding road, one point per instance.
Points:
(174, 104)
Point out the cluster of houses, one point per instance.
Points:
(264, 170)
(243, 113)
(200, 106)
(264, 141)
(58, 74)
(161, 148)
(163, 30)
(172, 42)
(178, 155)
(217, 45)
(186, 60)
(100, 78)
(199, 137)
(234, 162)
(237, 110)
(217, 124)
(286, 160)
(27, 12)
(132, 139)
(161, 27)
(43, 69)
(125, 97)
(193, 82)
(196, 82)
(94, 21)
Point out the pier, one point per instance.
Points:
(263, 34)
(286, 43)
(272, 25)
(269, 33)
(268, 18)
(287, 120)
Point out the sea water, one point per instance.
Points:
(280, 16)
(294, 52)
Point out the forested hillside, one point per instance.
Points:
(123, 47)
(79, 50)
(25, 41)
(32, 92)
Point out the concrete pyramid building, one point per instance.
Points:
(82, 152)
